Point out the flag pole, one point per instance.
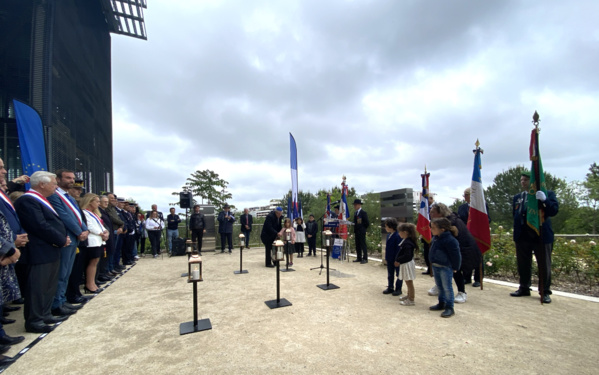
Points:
(480, 265)
(535, 158)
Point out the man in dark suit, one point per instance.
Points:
(527, 240)
(246, 226)
(225, 228)
(361, 224)
(47, 235)
(72, 218)
(197, 226)
(270, 230)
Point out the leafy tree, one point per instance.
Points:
(590, 196)
(207, 185)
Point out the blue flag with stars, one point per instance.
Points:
(31, 138)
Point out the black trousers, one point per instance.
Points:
(524, 252)
(311, 244)
(229, 238)
(267, 251)
(154, 236)
(247, 237)
(392, 272)
(197, 235)
(361, 250)
(128, 247)
(42, 281)
(468, 274)
(73, 291)
(425, 248)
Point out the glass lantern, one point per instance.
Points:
(241, 240)
(194, 267)
(277, 251)
(327, 234)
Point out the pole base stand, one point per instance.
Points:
(287, 270)
(327, 286)
(188, 327)
(240, 272)
(273, 304)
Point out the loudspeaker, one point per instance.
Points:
(179, 246)
(185, 199)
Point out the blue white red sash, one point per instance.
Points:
(7, 200)
(98, 220)
(67, 201)
(40, 198)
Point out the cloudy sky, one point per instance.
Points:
(371, 89)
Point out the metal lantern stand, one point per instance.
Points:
(188, 246)
(195, 276)
(328, 234)
(287, 244)
(277, 256)
(322, 239)
(241, 244)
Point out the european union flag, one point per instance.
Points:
(31, 138)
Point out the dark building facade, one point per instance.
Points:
(55, 55)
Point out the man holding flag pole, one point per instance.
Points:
(532, 210)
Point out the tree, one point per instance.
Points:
(590, 196)
(207, 185)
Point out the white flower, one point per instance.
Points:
(566, 243)
(592, 243)
(572, 241)
(496, 256)
(507, 232)
(489, 264)
(500, 227)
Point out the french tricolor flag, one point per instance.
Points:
(424, 222)
(478, 217)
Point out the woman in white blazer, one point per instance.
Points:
(95, 240)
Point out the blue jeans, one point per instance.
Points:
(67, 258)
(170, 235)
(444, 280)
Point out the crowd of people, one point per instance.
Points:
(59, 247)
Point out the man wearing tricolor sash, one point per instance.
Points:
(47, 235)
(70, 214)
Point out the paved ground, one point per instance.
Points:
(133, 326)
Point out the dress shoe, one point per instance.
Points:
(475, 284)
(4, 360)
(98, 282)
(4, 320)
(7, 340)
(5, 313)
(520, 293)
(396, 293)
(357, 260)
(4, 348)
(87, 291)
(467, 282)
(11, 308)
(364, 261)
(39, 328)
(78, 300)
(19, 301)
(62, 311)
(448, 313)
(387, 291)
(438, 307)
(546, 298)
(72, 307)
(104, 278)
(55, 319)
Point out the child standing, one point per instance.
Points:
(405, 260)
(289, 244)
(300, 236)
(445, 259)
(391, 250)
